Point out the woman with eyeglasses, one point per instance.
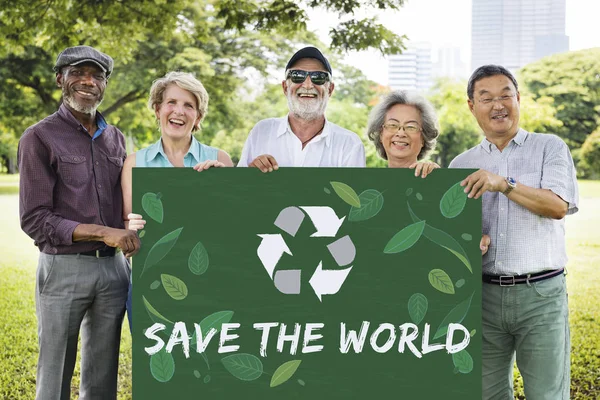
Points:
(180, 103)
(403, 128)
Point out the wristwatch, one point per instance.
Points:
(511, 185)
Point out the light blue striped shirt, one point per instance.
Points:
(154, 155)
(521, 241)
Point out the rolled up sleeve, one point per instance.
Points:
(559, 175)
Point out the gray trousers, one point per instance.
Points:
(76, 292)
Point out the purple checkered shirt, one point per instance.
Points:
(67, 179)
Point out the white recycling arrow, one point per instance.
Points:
(328, 281)
(270, 251)
(325, 220)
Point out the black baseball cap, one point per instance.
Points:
(82, 54)
(309, 52)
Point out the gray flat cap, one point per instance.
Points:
(82, 54)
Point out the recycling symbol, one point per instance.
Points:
(273, 246)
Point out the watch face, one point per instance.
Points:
(511, 181)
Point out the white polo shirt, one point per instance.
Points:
(334, 147)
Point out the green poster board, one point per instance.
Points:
(306, 284)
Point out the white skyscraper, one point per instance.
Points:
(514, 33)
(411, 70)
(449, 63)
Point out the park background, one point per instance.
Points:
(238, 49)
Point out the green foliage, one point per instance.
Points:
(573, 81)
(221, 41)
(458, 127)
(590, 155)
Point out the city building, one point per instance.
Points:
(411, 70)
(514, 33)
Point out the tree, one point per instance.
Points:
(218, 40)
(590, 156)
(458, 128)
(573, 81)
(538, 115)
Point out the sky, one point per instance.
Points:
(448, 23)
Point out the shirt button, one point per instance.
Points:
(99, 163)
(99, 186)
(502, 209)
(499, 263)
(502, 235)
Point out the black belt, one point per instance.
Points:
(510, 280)
(105, 252)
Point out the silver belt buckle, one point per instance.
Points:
(97, 253)
(509, 278)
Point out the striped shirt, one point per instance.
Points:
(523, 242)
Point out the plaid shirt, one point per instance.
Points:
(69, 178)
(521, 241)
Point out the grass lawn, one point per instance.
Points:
(18, 337)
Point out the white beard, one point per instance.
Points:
(71, 102)
(307, 110)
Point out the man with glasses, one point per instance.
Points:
(303, 138)
(528, 185)
(71, 206)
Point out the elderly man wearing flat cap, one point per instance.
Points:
(70, 205)
(303, 138)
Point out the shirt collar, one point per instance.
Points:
(519, 139)
(66, 114)
(157, 148)
(284, 127)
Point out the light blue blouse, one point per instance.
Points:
(154, 155)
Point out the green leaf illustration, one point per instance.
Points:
(142, 233)
(453, 201)
(409, 192)
(326, 190)
(346, 193)
(284, 372)
(473, 332)
(155, 316)
(301, 382)
(440, 280)
(449, 243)
(197, 373)
(152, 204)
(155, 285)
(417, 307)
(455, 316)
(459, 283)
(243, 366)
(419, 196)
(443, 239)
(466, 237)
(198, 261)
(174, 286)
(371, 202)
(214, 320)
(162, 366)
(404, 239)
(207, 379)
(161, 248)
(463, 361)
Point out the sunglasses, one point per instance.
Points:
(316, 77)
